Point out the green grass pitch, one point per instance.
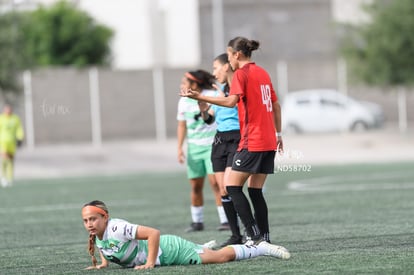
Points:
(351, 219)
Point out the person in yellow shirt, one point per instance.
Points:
(11, 136)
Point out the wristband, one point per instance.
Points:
(209, 119)
(279, 134)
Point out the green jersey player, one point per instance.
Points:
(11, 136)
(200, 136)
(142, 247)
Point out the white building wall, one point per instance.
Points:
(182, 33)
(131, 45)
(150, 32)
(350, 11)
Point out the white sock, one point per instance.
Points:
(197, 214)
(222, 214)
(246, 251)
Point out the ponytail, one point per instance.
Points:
(91, 249)
(243, 45)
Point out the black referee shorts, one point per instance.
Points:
(224, 146)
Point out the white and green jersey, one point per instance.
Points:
(198, 132)
(119, 245)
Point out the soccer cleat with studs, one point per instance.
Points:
(223, 227)
(195, 226)
(232, 240)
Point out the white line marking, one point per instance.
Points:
(377, 181)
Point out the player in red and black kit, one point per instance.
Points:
(260, 129)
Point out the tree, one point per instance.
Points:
(64, 35)
(12, 57)
(381, 52)
(58, 35)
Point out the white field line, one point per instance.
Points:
(377, 181)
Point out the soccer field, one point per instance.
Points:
(352, 219)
